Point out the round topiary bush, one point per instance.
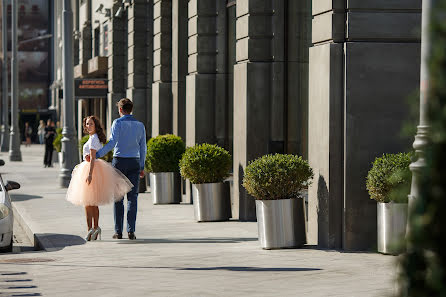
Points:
(390, 178)
(163, 153)
(57, 143)
(205, 163)
(277, 176)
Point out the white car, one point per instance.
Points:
(6, 215)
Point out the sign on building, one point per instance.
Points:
(90, 88)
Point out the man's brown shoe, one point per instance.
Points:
(132, 235)
(117, 236)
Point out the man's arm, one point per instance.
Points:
(114, 135)
(142, 149)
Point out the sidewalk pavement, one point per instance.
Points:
(172, 256)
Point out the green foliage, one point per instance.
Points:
(163, 153)
(82, 142)
(57, 143)
(277, 177)
(205, 163)
(390, 177)
(423, 266)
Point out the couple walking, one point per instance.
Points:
(94, 182)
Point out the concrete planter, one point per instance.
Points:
(392, 221)
(281, 223)
(211, 202)
(165, 187)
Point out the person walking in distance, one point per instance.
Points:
(41, 132)
(128, 138)
(28, 134)
(50, 134)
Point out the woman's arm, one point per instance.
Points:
(92, 158)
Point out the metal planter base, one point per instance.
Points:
(392, 221)
(281, 223)
(165, 187)
(211, 202)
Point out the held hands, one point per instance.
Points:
(87, 158)
(88, 180)
(141, 174)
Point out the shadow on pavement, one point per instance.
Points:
(55, 242)
(23, 197)
(188, 240)
(252, 269)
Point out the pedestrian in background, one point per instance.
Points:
(128, 138)
(50, 134)
(95, 182)
(41, 131)
(28, 133)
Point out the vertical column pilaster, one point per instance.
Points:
(116, 64)
(258, 91)
(162, 68)
(206, 79)
(364, 63)
(137, 72)
(179, 65)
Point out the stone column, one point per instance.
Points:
(162, 68)
(179, 66)
(259, 97)
(136, 76)
(364, 63)
(206, 81)
(116, 64)
(149, 66)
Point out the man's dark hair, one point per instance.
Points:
(126, 105)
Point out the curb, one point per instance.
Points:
(39, 243)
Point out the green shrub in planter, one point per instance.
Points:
(57, 140)
(277, 176)
(390, 178)
(205, 163)
(163, 153)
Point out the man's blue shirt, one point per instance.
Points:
(128, 138)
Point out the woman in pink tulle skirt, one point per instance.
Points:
(94, 182)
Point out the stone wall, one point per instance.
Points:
(364, 63)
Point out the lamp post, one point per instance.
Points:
(14, 140)
(422, 137)
(69, 142)
(5, 118)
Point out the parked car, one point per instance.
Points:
(6, 215)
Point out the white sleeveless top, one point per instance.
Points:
(93, 143)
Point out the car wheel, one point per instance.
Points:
(7, 249)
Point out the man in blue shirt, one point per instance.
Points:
(128, 138)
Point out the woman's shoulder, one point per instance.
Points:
(94, 137)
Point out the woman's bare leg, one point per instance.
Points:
(89, 216)
(95, 211)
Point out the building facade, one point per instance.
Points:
(327, 80)
(34, 54)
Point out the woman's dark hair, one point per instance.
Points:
(98, 128)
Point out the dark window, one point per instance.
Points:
(105, 41)
(96, 42)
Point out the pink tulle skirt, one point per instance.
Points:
(108, 184)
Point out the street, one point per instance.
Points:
(172, 256)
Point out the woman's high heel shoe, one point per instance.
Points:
(89, 234)
(96, 233)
